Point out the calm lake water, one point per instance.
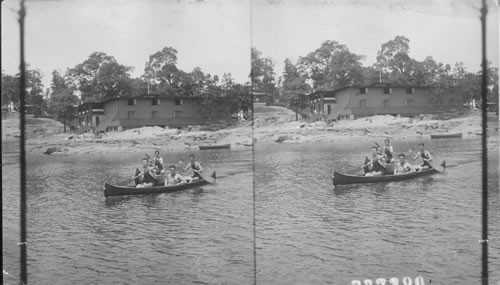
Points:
(75, 236)
(310, 233)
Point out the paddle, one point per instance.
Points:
(213, 175)
(126, 182)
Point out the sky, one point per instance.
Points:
(449, 31)
(216, 35)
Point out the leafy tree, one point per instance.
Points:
(161, 71)
(331, 66)
(62, 100)
(10, 89)
(100, 77)
(294, 86)
(262, 74)
(393, 55)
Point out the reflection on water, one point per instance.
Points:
(76, 236)
(309, 232)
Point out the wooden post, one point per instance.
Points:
(22, 100)
(484, 108)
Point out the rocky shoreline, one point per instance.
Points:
(276, 125)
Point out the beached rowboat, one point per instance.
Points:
(343, 179)
(444, 136)
(215, 146)
(115, 190)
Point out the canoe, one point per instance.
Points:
(116, 190)
(215, 146)
(343, 179)
(444, 136)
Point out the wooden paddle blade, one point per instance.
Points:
(443, 164)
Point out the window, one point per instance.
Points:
(410, 102)
(156, 102)
(131, 102)
(410, 90)
(329, 109)
(362, 103)
(97, 121)
(363, 90)
(178, 114)
(387, 90)
(178, 101)
(155, 115)
(387, 103)
(131, 115)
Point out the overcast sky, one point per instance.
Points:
(216, 35)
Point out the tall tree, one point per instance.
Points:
(10, 89)
(331, 66)
(394, 55)
(161, 71)
(100, 77)
(262, 74)
(294, 86)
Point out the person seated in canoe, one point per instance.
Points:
(145, 177)
(158, 162)
(388, 151)
(376, 166)
(195, 167)
(425, 155)
(174, 178)
(403, 166)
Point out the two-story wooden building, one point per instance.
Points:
(379, 99)
(153, 110)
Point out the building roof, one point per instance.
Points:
(374, 85)
(148, 96)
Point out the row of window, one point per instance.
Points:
(387, 103)
(155, 114)
(387, 90)
(154, 102)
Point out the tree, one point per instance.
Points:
(10, 89)
(62, 100)
(161, 71)
(100, 77)
(294, 87)
(262, 74)
(331, 66)
(393, 55)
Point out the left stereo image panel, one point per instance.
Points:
(139, 150)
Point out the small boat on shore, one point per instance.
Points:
(215, 146)
(115, 190)
(445, 136)
(344, 179)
